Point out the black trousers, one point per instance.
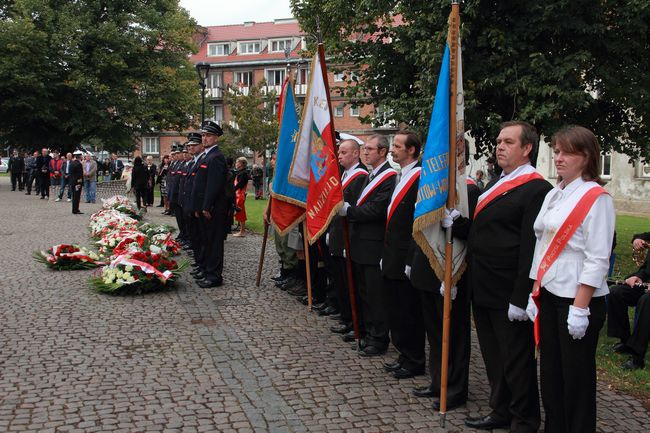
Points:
(16, 179)
(45, 185)
(459, 342)
(212, 240)
(140, 199)
(374, 304)
(339, 276)
(76, 197)
(620, 298)
(195, 240)
(180, 221)
(508, 350)
(149, 196)
(405, 323)
(568, 366)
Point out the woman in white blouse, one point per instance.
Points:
(573, 287)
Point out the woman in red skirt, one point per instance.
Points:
(241, 185)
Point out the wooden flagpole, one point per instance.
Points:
(263, 252)
(307, 264)
(454, 23)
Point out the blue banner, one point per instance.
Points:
(282, 188)
(434, 178)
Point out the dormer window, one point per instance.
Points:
(218, 50)
(280, 45)
(250, 47)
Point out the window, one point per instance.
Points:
(275, 77)
(215, 80)
(339, 77)
(338, 111)
(342, 76)
(280, 45)
(606, 165)
(218, 50)
(218, 113)
(276, 107)
(354, 111)
(302, 76)
(644, 170)
(249, 47)
(151, 145)
(243, 79)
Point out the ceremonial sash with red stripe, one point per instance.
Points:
(505, 187)
(560, 240)
(401, 189)
(470, 181)
(378, 180)
(355, 173)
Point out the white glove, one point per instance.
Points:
(516, 313)
(343, 211)
(327, 239)
(454, 291)
(531, 308)
(577, 321)
(450, 216)
(344, 256)
(407, 271)
(381, 261)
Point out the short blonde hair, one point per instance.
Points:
(243, 160)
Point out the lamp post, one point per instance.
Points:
(202, 69)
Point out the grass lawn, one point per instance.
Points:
(635, 382)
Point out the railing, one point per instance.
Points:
(214, 93)
(300, 89)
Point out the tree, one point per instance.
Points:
(256, 124)
(94, 69)
(550, 63)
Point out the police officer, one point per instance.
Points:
(76, 180)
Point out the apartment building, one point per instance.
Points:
(244, 54)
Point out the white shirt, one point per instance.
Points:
(404, 171)
(585, 258)
(347, 173)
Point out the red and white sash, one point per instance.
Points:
(353, 175)
(378, 180)
(401, 189)
(505, 185)
(470, 181)
(560, 241)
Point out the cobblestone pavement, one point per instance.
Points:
(234, 359)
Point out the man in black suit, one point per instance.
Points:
(634, 293)
(116, 167)
(368, 219)
(209, 202)
(181, 174)
(172, 179)
(16, 167)
(500, 250)
(403, 302)
(76, 180)
(152, 170)
(424, 279)
(353, 180)
(195, 148)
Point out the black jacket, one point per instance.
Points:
(16, 164)
(208, 191)
(369, 222)
(350, 195)
(398, 240)
(139, 177)
(76, 172)
(501, 244)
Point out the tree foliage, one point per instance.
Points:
(255, 126)
(550, 63)
(72, 71)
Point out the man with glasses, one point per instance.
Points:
(368, 219)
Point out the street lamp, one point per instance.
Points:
(202, 69)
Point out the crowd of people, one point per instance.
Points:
(538, 258)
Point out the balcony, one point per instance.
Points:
(300, 89)
(215, 93)
(269, 89)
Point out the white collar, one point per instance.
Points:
(407, 168)
(375, 170)
(517, 171)
(351, 169)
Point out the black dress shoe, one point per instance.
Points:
(426, 391)
(341, 328)
(78, 213)
(206, 284)
(328, 311)
(305, 300)
(320, 306)
(369, 351)
(348, 337)
(485, 423)
(620, 347)
(392, 366)
(634, 363)
(405, 373)
(200, 276)
(451, 404)
(297, 291)
(335, 316)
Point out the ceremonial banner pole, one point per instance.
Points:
(454, 20)
(263, 252)
(307, 265)
(351, 287)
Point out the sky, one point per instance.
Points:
(220, 12)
